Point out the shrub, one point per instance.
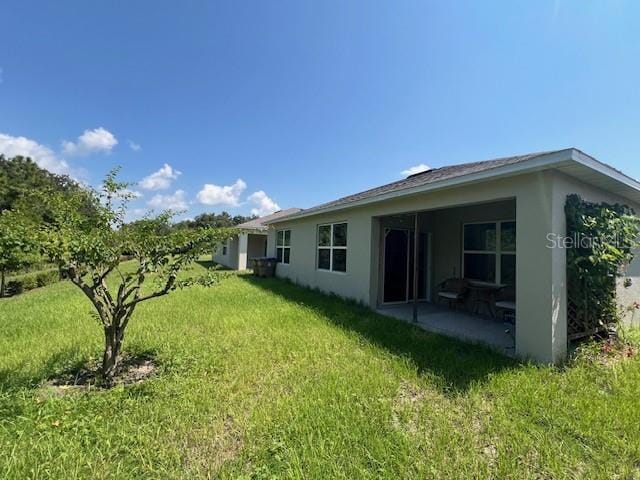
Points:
(14, 287)
(29, 281)
(47, 278)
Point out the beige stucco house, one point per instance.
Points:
(469, 218)
(251, 242)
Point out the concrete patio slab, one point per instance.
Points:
(457, 324)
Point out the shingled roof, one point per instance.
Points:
(429, 176)
(259, 223)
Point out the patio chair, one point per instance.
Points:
(506, 303)
(453, 291)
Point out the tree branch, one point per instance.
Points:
(125, 322)
(166, 289)
(106, 273)
(92, 295)
(107, 295)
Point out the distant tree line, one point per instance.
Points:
(20, 176)
(221, 220)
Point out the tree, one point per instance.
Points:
(20, 175)
(17, 248)
(88, 249)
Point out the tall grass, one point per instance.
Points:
(263, 379)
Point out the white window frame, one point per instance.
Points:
(225, 248)
(330, 247)
(498, 252)
(283, 246)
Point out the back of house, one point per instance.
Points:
(490, 223)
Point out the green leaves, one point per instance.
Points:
(19, 176)
(607, 235)
(17, 244)
(209, 279)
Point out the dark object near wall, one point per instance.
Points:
(264, 267)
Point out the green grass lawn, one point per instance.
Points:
(263, 379)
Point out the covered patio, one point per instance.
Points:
(464, 260)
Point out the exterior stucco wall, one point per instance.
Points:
(302, 269)
(230, 260)
(629, 294)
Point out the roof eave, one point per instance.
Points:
(596, 165)
(252, 229)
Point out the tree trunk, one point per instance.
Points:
(2, 279)
(111, 357)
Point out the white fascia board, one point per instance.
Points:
(590, 162)
(254, 231)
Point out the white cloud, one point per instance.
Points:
(416, 169)
(96, 140)
(135, 194)
(136, 214)
(46, 158)
(134, 146)
(175, 202)
(222, 195)
(161, 179)
(263, 204)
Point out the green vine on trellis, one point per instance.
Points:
(604, 236)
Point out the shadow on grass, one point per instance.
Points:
(211, 264)
(455, 364)
(18, 377)
(69, 367)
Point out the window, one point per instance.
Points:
(283, 246)
(508, 253)
(332, 247)
(225, 247)
(489, 252)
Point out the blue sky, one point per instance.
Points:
(207, 103)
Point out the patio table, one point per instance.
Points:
(484, 295)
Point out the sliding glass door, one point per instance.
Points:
(398, 266)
